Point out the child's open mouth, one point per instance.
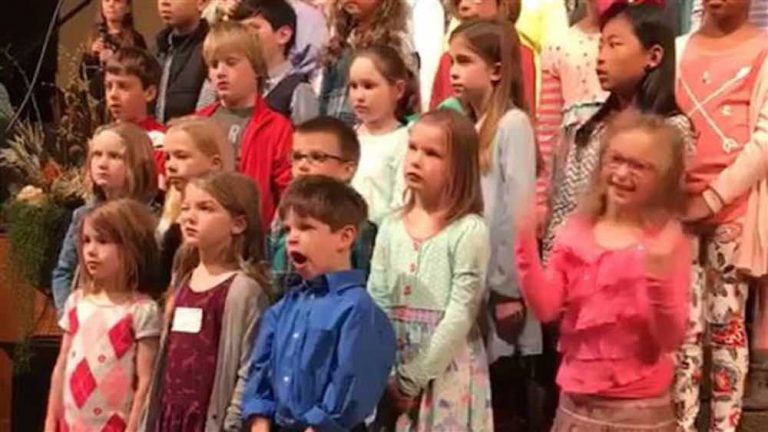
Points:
(298, 259)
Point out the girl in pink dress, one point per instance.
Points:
(721, 68)
(617, 279)
(111, 326)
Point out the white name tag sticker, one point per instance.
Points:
(187, 320)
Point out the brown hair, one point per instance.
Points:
(388, 26)
(463, 193)
(228, 37)
(130, 225)
(239, 196)
(141, 174)
(328, 200)
(392, 67)
(131, 61)
(669, 139)
(495, 42)
(128, 35)
(207, 137)
(349, 145)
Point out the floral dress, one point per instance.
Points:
(431, 291)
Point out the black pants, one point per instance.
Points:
(359, 428)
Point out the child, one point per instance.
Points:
(111, 326)
(635, 64)
(195, 147)
(286, 90)
(321, 146)
(179, 51)
(468, 10)
(428, 274)
(119, 165)
(112, 30)
(617, 280)
(260, 137)
(131, 81)
(381, 93)
(218, 295)
(325, 350)
(726, 105)
(358, 24)
(570, 90)
(484, 76)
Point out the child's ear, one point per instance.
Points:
(349, 168)
(347, 235)
(150, 93)
(284, 34)
(655, 57)
(496, 72)
(400, 88)
(239, 225)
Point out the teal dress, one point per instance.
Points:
(431, 290)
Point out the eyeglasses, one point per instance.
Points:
(614, 160)
(314, 157)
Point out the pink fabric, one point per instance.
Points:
(618, 325)
(715, 90)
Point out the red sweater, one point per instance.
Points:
(156, 133)
(442, 90)
(265, 154)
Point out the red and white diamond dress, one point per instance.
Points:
(100, 371)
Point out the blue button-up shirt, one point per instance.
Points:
(323, 356)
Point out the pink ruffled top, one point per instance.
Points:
(618, 324)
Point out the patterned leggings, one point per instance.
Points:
(718, 298)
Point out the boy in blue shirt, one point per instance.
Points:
(325, 351)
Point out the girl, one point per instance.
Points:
(120, 163)
(617, 280)
(194, 146)
(483, 72)
(111, 326)
(219, 292)
(506, 10)
(112, 30)
(427, 273)
(635, 64)
(381, 94)
(570, 91)
(358, 24)
(727, 105)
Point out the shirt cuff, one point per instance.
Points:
(321, 421)
(258, 407)
(407, 385)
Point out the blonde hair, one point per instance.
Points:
(208, 138)
(463, 192)
(130, 225)
(669, 196)
(239, 196)
(141, 174)
(496, 42)
(229, 37)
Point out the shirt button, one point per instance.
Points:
(296, 335)
(286, 379)
(413, 267)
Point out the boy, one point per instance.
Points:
(321, 146)
(261, 138)
(180, 55)
(286, 90)
(325, 351)
(131, 79)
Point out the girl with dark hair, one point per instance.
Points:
(636, 64)
(112, 30)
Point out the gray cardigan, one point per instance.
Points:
(246, 302)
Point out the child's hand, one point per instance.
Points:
(400, 402)
(696, 209)
(509, 316)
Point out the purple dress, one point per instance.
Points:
(191, 362)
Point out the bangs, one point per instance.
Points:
(103, 224)
(219, 45)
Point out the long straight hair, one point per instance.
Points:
(497, 43)
(392, 67)
(656, 90)
(463, 194)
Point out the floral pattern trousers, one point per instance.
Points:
(718, 301)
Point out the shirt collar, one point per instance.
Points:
(331, 282)
(277, 74)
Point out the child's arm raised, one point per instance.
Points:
(544, 291)
(55, 396)
(146, 351)
(470, 255)
(668, 270)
